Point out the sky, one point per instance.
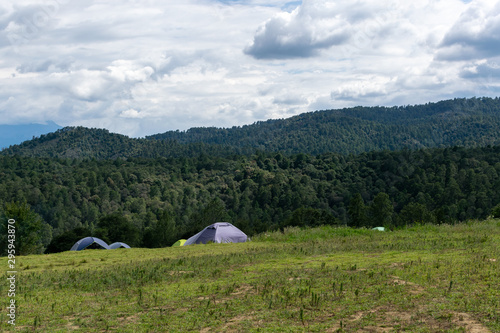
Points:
(145, 67)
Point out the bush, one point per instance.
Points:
(496, 211)
(65, 241)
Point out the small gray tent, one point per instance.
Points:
(86, 242)
(220, 232)
(117, 245)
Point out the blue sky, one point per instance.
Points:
(144, 67)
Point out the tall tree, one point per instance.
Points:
(117, 228)
(381, 210)
(214, 212)
(415, 212)
(32, 233)
(163, 233)
(357, 211)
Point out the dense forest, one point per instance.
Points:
(361, 167)
(459, 122)
(471, 122)
(81, 142)
(152, 202)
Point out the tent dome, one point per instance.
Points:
(220, 232)
(117, 245)
(86, 242)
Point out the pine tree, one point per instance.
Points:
(357, 211)
(381, 210)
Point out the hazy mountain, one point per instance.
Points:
(16, 134)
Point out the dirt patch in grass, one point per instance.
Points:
(244, 289)
(229, 326)
(471, 326)
(294, 278)
(180, 272)
(394, 320)
(71, 326)
(376, 329)
(130, 319)
(415, 289)
(396, 264)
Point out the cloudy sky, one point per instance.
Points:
(141, 67)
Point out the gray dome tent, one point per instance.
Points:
(86, 242)
(220, 232)
(117, 245)
(83, 243)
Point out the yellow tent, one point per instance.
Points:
(180, 242)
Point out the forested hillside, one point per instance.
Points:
(357, 167)
(81, 142)
(458, 122)
(153, 202)
(461, 122)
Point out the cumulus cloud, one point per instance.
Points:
(481, 69)
(345, 28)
(143, 67)
(485, 74)
(299, 34)
(475, 35)
(369, 87)
(131, 113)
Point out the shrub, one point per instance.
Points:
(496, 211)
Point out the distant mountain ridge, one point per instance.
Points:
(473, 122)
(15, 134)
(457, 122)
(82, 142)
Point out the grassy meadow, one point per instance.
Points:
(420, 279)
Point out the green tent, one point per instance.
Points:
(180, 242)
(379, 228)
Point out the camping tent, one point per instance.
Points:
(86, 242)
(220, 232)
(117, 245)
(180, 242)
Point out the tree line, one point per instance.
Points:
(152, 202)
(458, 122)
(473, 122)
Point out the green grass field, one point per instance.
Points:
(420, 279)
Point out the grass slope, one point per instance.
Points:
(421, 279)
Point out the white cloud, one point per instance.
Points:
(143, 67)
(476, 34)
(299, 34)
(131, 113)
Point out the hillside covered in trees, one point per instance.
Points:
(361, 167)
(459, 122)
(81, 142)
(154, 201)
(471, 122)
